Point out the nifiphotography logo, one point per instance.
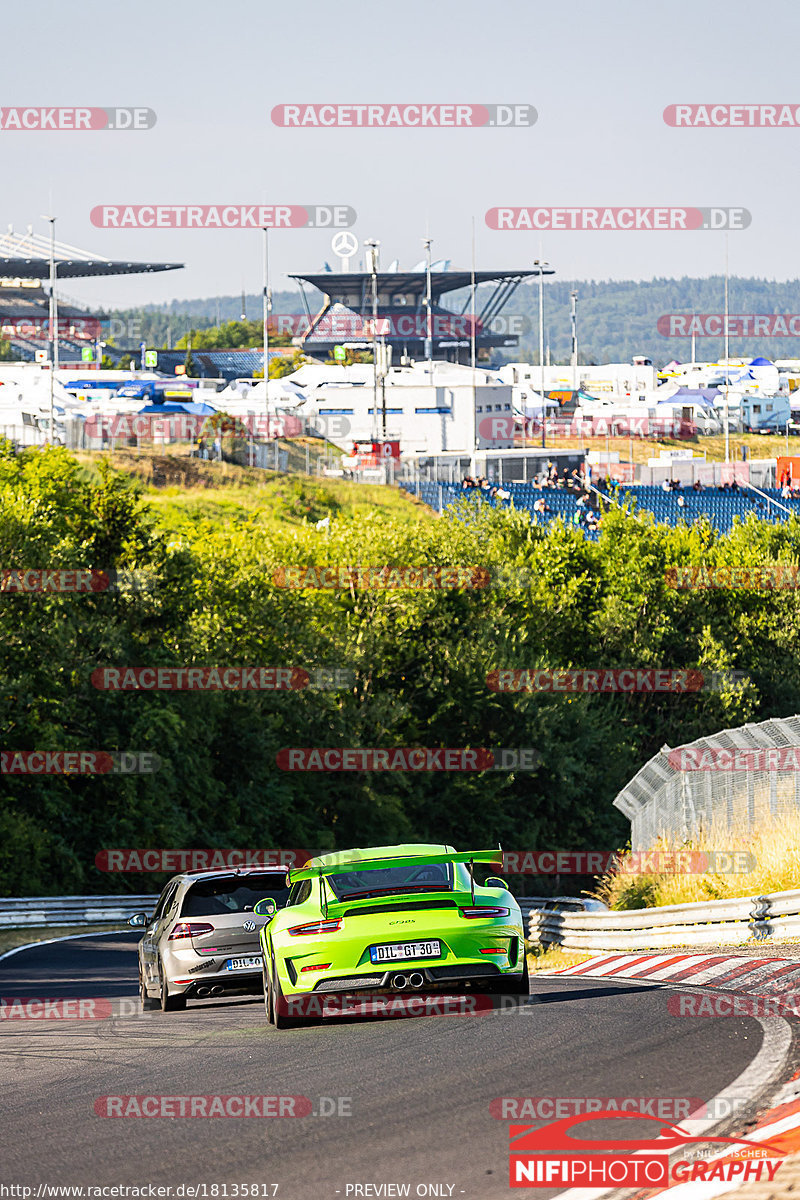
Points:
(549, 1157)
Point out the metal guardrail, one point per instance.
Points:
(723, 922)
(38, 911)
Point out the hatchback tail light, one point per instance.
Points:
(316, 927)
(189, 929)
(485, 912)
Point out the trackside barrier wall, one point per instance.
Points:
(717, 922)
(40, 911)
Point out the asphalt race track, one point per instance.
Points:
(417, 1089)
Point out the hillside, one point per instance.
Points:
(616, 318)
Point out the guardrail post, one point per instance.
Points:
(759, 925)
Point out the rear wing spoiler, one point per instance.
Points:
(314, 869)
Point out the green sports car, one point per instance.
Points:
(390, 918)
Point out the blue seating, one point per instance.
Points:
(718, 506)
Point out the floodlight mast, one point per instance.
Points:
(53, 325)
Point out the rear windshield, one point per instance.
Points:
(427, 877)
(209, 897)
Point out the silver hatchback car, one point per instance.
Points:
(202, 939)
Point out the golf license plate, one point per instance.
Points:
(400, 951)
(253, 962)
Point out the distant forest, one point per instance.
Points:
(616, 318)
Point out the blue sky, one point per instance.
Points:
(599, 74)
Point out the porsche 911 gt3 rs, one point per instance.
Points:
(396, 918)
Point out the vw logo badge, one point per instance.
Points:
(249, 926)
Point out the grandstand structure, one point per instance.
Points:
(25, 263)
(403, 314)
(718, 506)
(664, 801)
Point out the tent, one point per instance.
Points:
(195, 407)
(704, 397)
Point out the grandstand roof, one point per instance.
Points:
(27, 256)
(413, 281)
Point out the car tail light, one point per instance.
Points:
(186, 929)
(493, 950)
(485, 912)
(316, 967)
(316, 927)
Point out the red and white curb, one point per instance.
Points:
(755, 976)
(761, 977)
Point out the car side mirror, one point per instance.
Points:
(266, 907)
(138, 919)
(496, 881)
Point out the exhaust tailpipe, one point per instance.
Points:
(415, 979)
(203, 992)
(217, 990)
(399, 982)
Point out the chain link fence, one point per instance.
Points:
(735, 779)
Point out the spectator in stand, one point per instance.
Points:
(552, 472)
(785, 477)
(697, 486)
(786, 491)
(467, 483)
(541, 507)
(666, 486)
(502, 493)
(734, 486)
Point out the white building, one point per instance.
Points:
(610, 380)
(428, 413)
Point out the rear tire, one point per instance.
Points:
(146, 1001)
(521, 986)
(269, 1010)
(170, 1003)
(280, 1008)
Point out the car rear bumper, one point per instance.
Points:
(434, 978)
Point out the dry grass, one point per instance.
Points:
(774, 843)
(544, 960)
